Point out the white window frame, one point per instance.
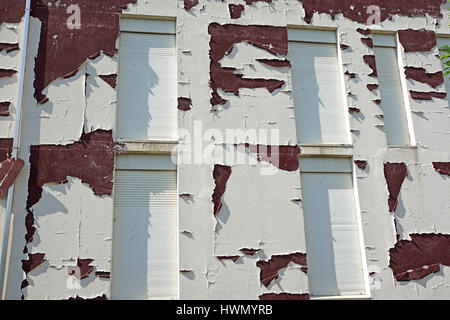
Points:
(298, 33)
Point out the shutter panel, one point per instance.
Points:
(444, 41)
(317, 90)
(145, 257)
(147, 87)
(395, 122)
(333, 245)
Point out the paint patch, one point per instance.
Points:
(223, 38)
(415, 259)
(235, 10)
(249, 2)
(353, 110)
(6, 145)
(269, 269)
(232, 258)
(372, 87)
(102, 297)
(11, 11)
(249, 252)
(62, 50)
(395, 174)
(110, 79)
(184, 104)
(283, 157)
(417, 40)
(9, 170)
(370, 60)
(4, 108)
(427, 95)
(221, 174)
(90, 159)
(357, 10)
(344, 47)
(103, 274)
(284, 296)
(351, 75)
(442, 167)
(362, 164)
(6, 73)
(419, 74)
(9, 47)
(34, 261)
(364, 32)
(189, 4)
(276, 63)
(368, 42)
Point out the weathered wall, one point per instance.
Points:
(63, 212)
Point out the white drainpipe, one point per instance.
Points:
(15, 149)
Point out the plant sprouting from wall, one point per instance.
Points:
(445, 56)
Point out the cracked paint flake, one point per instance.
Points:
(442, 167)
(419, 257)
(184, 104)
(427, 95)
(395, 174)
(269, 269)
(34, 261)
(110, 79)
(6, 73)
(235, 10)
(189, 4)
(9, 170)
(4, 108)
(9, 47)
(420, 74)
(283, 157)
(370, 60)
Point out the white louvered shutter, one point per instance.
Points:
(147, 87)
(392, 104)
(332, 232)
(145, 235)
(316, 85)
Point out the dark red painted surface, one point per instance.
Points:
(103, 274)
(276, 63)
(4, 108)
(221, 174)
(368, 42)
(90, 159)
(232, 258)
(12, 11)
(362, 164)
(356, 10)
(364, 32)
(235, 10)
(269, 269)
(417, 40)
(6, 145)
(110, 79)
(189, 4)
(283, 157)
(372, 87)
(415, 259)
(370, 60)
(9, 170)
(249, 2)
(34, 261)
(344, 47)
(62, 50)
(102, 297)
(9, 47)
(284, 296)
(419, 74)
(427, 95)
(223, 38)
(6, 73)
(184, 104)
(85, 268)
(353, 110)
(442, 167)
(249, 252)
(377, 101)
(395, 174)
